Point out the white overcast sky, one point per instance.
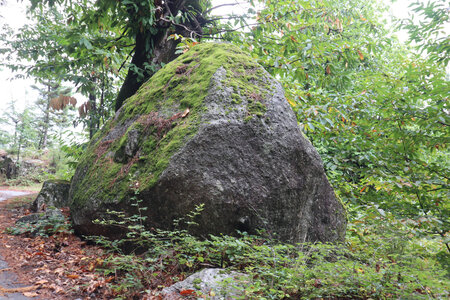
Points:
(19, 90)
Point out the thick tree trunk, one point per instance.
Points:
(155, 49)
(163, 52)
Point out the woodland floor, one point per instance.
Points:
(56, 267)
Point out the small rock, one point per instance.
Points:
(8, 167)
(215, 283)
(49, 216)
(54, 193)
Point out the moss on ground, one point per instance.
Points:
(169, 108)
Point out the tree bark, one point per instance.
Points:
(156, 48)
(163, 52)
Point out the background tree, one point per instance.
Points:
(426, 28)
(147, 24)
(59, 50)
(53, 97)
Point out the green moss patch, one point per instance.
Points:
(167, 111)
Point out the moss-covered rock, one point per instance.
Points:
(210, 127)
(54, 193)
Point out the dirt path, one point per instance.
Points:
(57, 267)
(10, 287)
(7, 194)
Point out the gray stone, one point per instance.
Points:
(213, 128)
(50, 216)
(214, 283)
(7, 167)
(36, 217)
(33, 169)
(54, 193)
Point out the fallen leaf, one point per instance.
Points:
(185, 113)
(59, 271)
(186, 292)
(30, 294)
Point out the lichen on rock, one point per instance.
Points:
(210, 127)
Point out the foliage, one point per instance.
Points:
(368, 265)
(376, 111)
(427, 29)
(48, 223)
(61, 48)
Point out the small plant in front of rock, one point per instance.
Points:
(354, 270)
(43, 224)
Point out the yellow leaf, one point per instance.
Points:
(292, 103)
(361, 56)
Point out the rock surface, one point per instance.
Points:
(33, 169)
(214, 283)
(54, 193)
(7, 166)
(214, 128)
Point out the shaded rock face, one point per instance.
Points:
(212, 128)
(54, 193)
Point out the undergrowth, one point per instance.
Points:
(43, 224)
(369, 265)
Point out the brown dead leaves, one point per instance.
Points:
(58, 267)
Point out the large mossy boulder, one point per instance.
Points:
(214, 128)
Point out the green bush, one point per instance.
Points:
(369, 265)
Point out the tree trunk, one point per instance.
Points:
(44, 137)
(155, 49)
(93, 117)
(163, 52)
